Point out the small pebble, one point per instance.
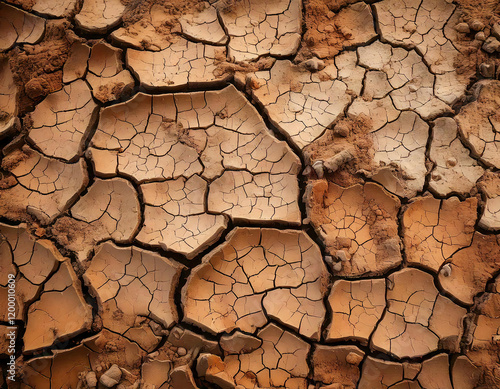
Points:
(307, 171)
(480, 36)
(91, 379)
(353, 359)
(318, 168)
(342, 130)
(487, 70)
(446, 270)
(491, 45)
(463, 28)
(329, 260)
(476, 25)
(495, 30)
(314, 64)
(451, 162)
(181, 351)
(342, 255)
(176, 332)
(337, 266)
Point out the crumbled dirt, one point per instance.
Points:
(168, 352)
(139, 10)
(10, 205)
(37, 69)
(357, 141)
(471, 55)
(323, 38)
(336, 372)
(112, 349)
(15, 158)
(74, 234)
(107, 93)
(224, 67)
(489, 360)
(486, 11)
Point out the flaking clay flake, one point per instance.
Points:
(250, 194)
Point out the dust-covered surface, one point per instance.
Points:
(250, 194)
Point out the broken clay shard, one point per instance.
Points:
(370, 236)
(76, 65)
(141, 283)
(299, 103)
(204, 26)
(356, 307)
(44, 187)
(257, 27)
(99, 16)
(433, 373)
(62, 123)
(472, 267)
(135, 283)
(403, 142)
(231, 287)
(279, 362)
(60, 313)
(457, 177)
(175, 218)
(213, 369)
(411, 82)
(106, 76)
(55, 8)
(239, 343)
(166, 69)
(490, 186)
(481, 129)
(436, 229)
(245, 197)
(17, 26)
(110, 209)
(417, 318)
(31, 261)
(8, 97)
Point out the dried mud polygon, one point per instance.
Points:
(250, 194)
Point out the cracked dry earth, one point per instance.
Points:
(250, 194)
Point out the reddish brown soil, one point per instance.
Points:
(323, 37)
(487, 11)
(357, 140)
(225, 67)
(471, 55)
(140, 9)
(38, 69)
(14, 159)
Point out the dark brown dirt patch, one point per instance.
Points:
(37, 69)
